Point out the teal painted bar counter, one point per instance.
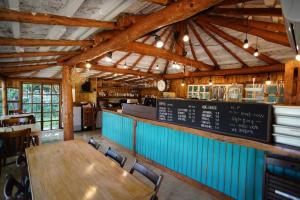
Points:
(233, 169)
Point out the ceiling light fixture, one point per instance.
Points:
(108, 57)
(88, 65)
(210, 83)
(182, 83)
(157, 67)
(268, 81)
(246, 42)
(159, 43)
(256, 52)
(298, 57)
(186, 37)
(125, 65)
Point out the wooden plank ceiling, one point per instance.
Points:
(38, 39)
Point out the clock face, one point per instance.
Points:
(161, 85)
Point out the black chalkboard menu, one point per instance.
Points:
(246, 120)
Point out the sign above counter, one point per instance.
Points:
(245, 120)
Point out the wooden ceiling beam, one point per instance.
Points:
(192, 50)
(41, 42)
(172, 13)
(276, 12)
(167, 61)
(141, 56)
(275, 27)
(226, 72)
(231, 2)
(224, 47)
(50, 19)
(161, 53)
(270, 36)
(164, 46)
(118, 70)
(236, 42)
(207, 51)
(57, 73)
(26, 62)
(26, 68)
(161, 2)
(37, 54)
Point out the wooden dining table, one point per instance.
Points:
(75, 170)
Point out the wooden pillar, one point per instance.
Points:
(4, 97)
(67, 103)
(292, 82)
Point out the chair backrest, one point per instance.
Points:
(94, 143)
(148, 173)
(116, 156)
(15, 142)
(9, 193)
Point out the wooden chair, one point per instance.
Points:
(150, 175)
(94, 143)
(14, 143)
(121, 160)
(13, 190)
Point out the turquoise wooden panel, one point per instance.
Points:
(232, 169)
(118, 129)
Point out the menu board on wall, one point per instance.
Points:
(246, 120)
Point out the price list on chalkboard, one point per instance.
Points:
(246, 120)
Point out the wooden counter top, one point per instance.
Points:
(276, 149)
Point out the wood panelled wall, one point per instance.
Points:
(86, 96)
(181, 91)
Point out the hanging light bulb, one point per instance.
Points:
(268, 81)
(88, 65)
(159, 43)
(125, 66)
(256, 53)
(246, 44)
(182, 83)
(186, 37)
(210, 83)
(108, 57)
(157, 67)
(298, 57)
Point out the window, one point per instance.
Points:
(12, 99)
(44, 101)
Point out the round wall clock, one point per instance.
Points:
(161, 85)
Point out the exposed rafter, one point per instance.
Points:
(161, 53)
(275, 27)
(175, 12)
(225, 47)
(57, 73)
(40, 18)
(167, 61)
(40, 42)
(248, 11)
(278, 38)
(22, 63)
(26, 68)
(237, 42)
(207, 51)
(225, 72)
(36, 54)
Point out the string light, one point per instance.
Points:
(159, 43)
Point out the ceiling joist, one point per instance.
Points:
(49, 19)
(37, 54)
(271, 12)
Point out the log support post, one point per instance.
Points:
(4, 97)
(67, 103)
(292, 82)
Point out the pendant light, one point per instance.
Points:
(88, 65)
(157, 67)
(182, 83)
(125, 65)
(268, 81)
(108, 57)
(298, 57)
(159, 43)
(210, 83)
(186, 37)
(246, 42)
(256, 52)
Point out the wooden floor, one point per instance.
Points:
(171, 188)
